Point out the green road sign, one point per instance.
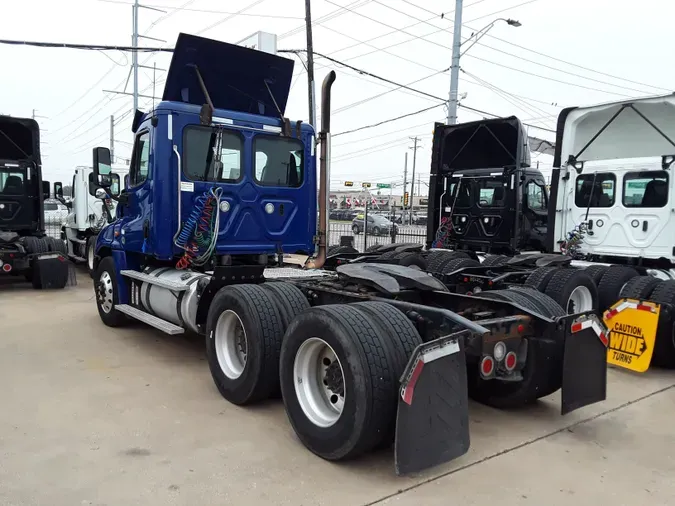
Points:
(383, 185)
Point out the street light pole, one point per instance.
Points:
(457, 53)
(454, 69)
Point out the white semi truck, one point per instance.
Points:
(89, 211)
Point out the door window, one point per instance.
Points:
(595, 190)
(645, 189)
(536, 196)
(138, 172)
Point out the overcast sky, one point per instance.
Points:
(530, 71)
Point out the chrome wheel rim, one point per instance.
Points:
(231, 344)
(319, 382)
(105, 292)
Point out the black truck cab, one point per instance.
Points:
(483, 194)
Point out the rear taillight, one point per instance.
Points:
(487, 366)
(510, 361)
(7, 267)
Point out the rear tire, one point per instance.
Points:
(612, 282)
(244, 330)
(458, 263)
(640, 287)
(345, 409)
(107, 294)
(495, 261)
(548, 306)
(596, 272)
(408, 259)
(438, 258)
(574, 290)
(664, 347)
(540, 277)
(289, 300)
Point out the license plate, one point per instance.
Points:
(632, 329)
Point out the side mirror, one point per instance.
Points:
(114, 188)
(45, 190)
(126, 181)
(102, 167)
(58, 190)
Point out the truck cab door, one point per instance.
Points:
(136, 213)
(535, 214)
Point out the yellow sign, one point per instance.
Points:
(632, 329)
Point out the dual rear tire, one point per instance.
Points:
(337, 366)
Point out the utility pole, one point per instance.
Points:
(311, 91)
(454, 69)
(134, 54)
(405, 186)
(112, 139)
(412, 186)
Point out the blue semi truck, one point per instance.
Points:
(216, 233)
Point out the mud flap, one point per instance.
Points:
(584, 379)
(432, 424)
(53, 270)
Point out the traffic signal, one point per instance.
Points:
(366, 185)
(349, 183)
(405, 199)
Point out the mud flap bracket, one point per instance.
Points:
(432, 424)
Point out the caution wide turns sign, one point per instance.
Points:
(632, 329)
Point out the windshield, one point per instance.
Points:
(11, 181)
(51, 206)
(380, 219)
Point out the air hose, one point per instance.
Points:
(199, 233)
(442, 234)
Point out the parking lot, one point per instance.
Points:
(97, 416)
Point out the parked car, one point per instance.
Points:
(377, 225)
(55, 212)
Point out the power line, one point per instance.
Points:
(206, 11)
(388, 120)
(322, 19)
(573, 64)
(87, 47)
(547, 78)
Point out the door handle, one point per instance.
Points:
(645, 225)
(590, 224)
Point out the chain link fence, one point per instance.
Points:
(341, 231)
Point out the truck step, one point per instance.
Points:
(169, 285)
(77, 241)
(153, 321)
(78, 259)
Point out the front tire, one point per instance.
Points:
(107, 294)
(355, 230)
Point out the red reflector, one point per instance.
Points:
(576, 327)
(11, 255)
(489, 283)
(409, 389)
(604, 339)
(521, 328)
(510, 361)
(644, 307)
(466, 280)
(487, 365)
